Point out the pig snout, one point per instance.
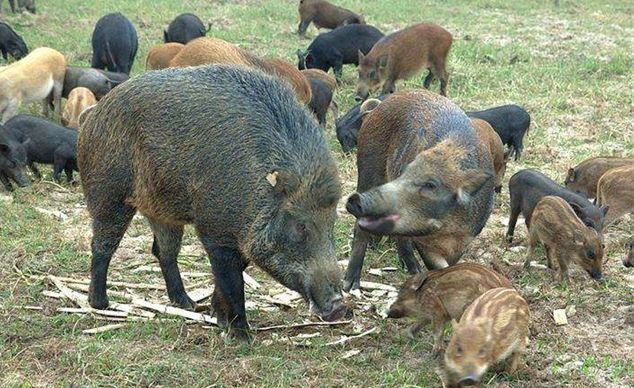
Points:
(360, 98)
(323, 293)
(469, 380)
(337, 311)
(368, 218)
(596, 274)
(355, 205)
(395, 312)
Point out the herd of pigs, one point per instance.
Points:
(225, 140)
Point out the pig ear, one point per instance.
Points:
(472, 182)
(369, 105)
(604, 209)
(576, 208)
(571, 175)
(416, 281)
(361, 56)
(382, 62)
(4, 148)
(283, 182)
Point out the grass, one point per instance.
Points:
(570, 66)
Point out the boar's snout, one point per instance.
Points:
(355, 205)
(370, 213)
(469, 380)
(628, 263)
(360, 98)
(596, 274)
(395, 312)
(337, 312)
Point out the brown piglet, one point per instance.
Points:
(493, 142)
(495, 327)
(402, 55)
(555, 224)
(442, 295)
(584, 177)
(615, 191)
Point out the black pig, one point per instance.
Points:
(13, 160)
(321, 99)
(11, 43)
(93, 79)
(527, 187)
(348, 126)
(338, 47)
(254, 176)
(114, 43)
(511, 122)
(48, 143)
(183, 28)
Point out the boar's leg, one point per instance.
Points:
(303, 26)
(360, 242)
(406, 254)
(516, 209)
(530, 253)
(563, 267)
(227, 265)
(108, 230)
(428, 79)
(35, 170)
(166, 245)
(438, 68)
(389, 86)
(6, 182)
(549, 257)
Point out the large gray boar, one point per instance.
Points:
(230, 151)
(424, 178)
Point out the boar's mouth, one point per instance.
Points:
(379, 224)
(335, 312)
(596, 275)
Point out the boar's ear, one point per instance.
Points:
(300, 54)
(572, 175)
(283, 182)
(382, 62)
(472, 182)
(415, 282)
(577, 238)
(369, 105)
(4, 148)
(361, 56)
(604, 210)
(576, 208)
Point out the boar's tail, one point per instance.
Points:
(110, 56)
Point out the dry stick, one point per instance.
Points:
(104, 329)
(377, 286)
(250, 281)
(56, 185)
(346, 339)
(110, 283)
(198, 317)
(307, 324)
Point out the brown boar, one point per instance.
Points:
(584, 177)
(206, 50)
(324, 15)
(442, 295)
(565, 237)
(424, 178)
(79, 99)
(32, 78)
(628, 259)
(160, 55)
(493, 328)
(615, 191)
(494, 144)
(402, 55)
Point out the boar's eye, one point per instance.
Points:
(482, 353)
(299, 232)
(372, 75)
(429, 186)
(590, 254)
(458, 350)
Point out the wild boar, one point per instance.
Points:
(322, 86)
(254, 176)
(584, 177)
(48, 143)
(495, 147)
(615, 191)
(160, 55)
(11, 43)
(402, 55)
(495, 327)
(424, 177)
(442, 295)
(13, 160)
(324, 15)
(114, 43)
(341, 46)
(510, 122)
(565, 238)
(527, 187)
(628, 259)
(29, 5)
(184, 28)
(206, 50)
(32, 78)
(348, 126)
(78, 100)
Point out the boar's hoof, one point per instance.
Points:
(184, 302)
(509, 238)
(97, 302)
(239, 334)
(351, 284)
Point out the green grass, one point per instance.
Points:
(571, 67)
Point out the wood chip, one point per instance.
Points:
(199, 294)
(80, 299)
(560, 317)
(170, 310)
(272, 178)
(377, 286)
(103, 329)
(350, 353)
(249, 281)
(345, 339)
(307, 324)
(277, 302)
(375, 272)
(51, 294)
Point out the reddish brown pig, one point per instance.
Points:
(565, 238)
(425, 178)
(495, 327)
(584, 177)
(324, 15)
(402, 55)
(206, 50)
(161, 55)
(494, 144)
(628, 259)
(615, 191)
(442, 295)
